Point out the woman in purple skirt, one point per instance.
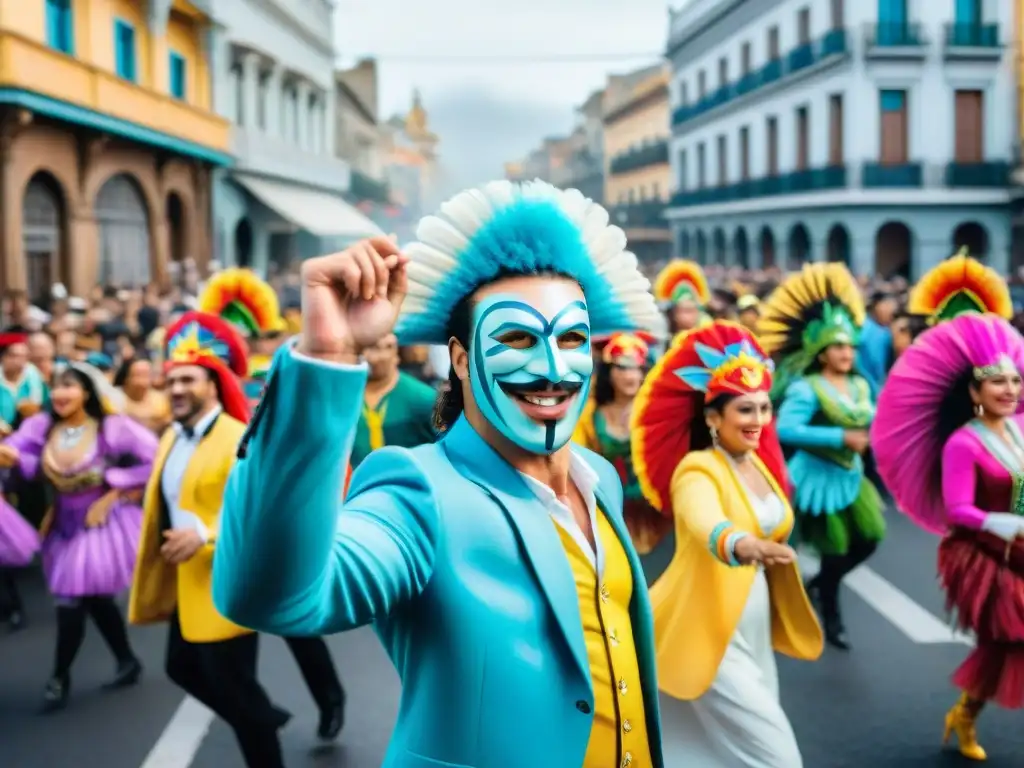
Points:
(19, 543)
(95, 462)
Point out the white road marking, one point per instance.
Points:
(903, 613)
(918, 624)
(181, 739)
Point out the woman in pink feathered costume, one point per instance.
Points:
(950, 446)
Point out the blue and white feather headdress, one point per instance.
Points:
(522, 228)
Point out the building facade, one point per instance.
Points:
(637, 176)
(107, 141)
(275, 81)
(357, 133)
(874, 132)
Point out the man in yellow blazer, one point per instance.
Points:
(210, 658)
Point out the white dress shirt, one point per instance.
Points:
(174, 473)
(586, 480)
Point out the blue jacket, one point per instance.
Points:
(446, 551)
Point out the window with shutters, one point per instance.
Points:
(745, 153)
(772, 136)
(893, 126)
(745, 59)
(969, 127)
(773, 43)
(701, 166)
(838, 14)
(60, 28)
(723, 161)
(803, 25)
(723, 72)
(835, 129)
(802, 138)
(684, 178)
(179, 76)
(124, 50)
(702, 84)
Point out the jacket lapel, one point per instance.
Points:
(481, 465)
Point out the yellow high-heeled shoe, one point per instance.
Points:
(959, 720)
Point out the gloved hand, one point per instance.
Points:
(1004, 525)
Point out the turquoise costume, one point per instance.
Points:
(446, 548)
(839, 511)
(30, 388)
(837, 503)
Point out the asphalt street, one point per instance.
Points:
(880, 706)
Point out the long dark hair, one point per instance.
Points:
(92, 405)
(700, 432)
(450, 402)
(957, 408)
(126, 367)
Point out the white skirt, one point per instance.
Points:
(739, 722)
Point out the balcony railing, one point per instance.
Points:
(640, 157)
(649, 214)
(893, 175)
(972, 35)
(833, 43)
(991, 175)
(796, 182)
(895, 35)
(362, 187)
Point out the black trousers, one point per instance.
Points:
(317, 668)
(222, 676)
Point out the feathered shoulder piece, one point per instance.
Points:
(244, 300)
(960, 284)
(722, 358)
(682, 280)
(507, 228)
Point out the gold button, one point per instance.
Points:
(626, 726)
(623, 688)
(605, 594)
(614, 637)
(627, 760)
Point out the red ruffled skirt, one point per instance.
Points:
(983, 577)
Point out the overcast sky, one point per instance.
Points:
(487, 111)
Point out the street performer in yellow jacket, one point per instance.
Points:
(209, 657)
(706, 454)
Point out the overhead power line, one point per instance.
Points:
(571, 58)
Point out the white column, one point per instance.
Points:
(273, 106)
(250, 89)
(303, 115)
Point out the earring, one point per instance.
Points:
(979, 410)
(714, 435)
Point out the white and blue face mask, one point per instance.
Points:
(530, 364)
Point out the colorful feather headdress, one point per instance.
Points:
(626, 350)
(682, 280)
(917, 407)
(812, 309)
(526, 228)
(723, 358)
(960, 284)
(244, 300)
(209, 341)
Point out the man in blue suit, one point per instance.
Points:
(494, 565)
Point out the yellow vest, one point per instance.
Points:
(619, 735)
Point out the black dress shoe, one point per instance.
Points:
(332, 720)
(128, 673)
(15, 621)
(55, 694)
(835, 634)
